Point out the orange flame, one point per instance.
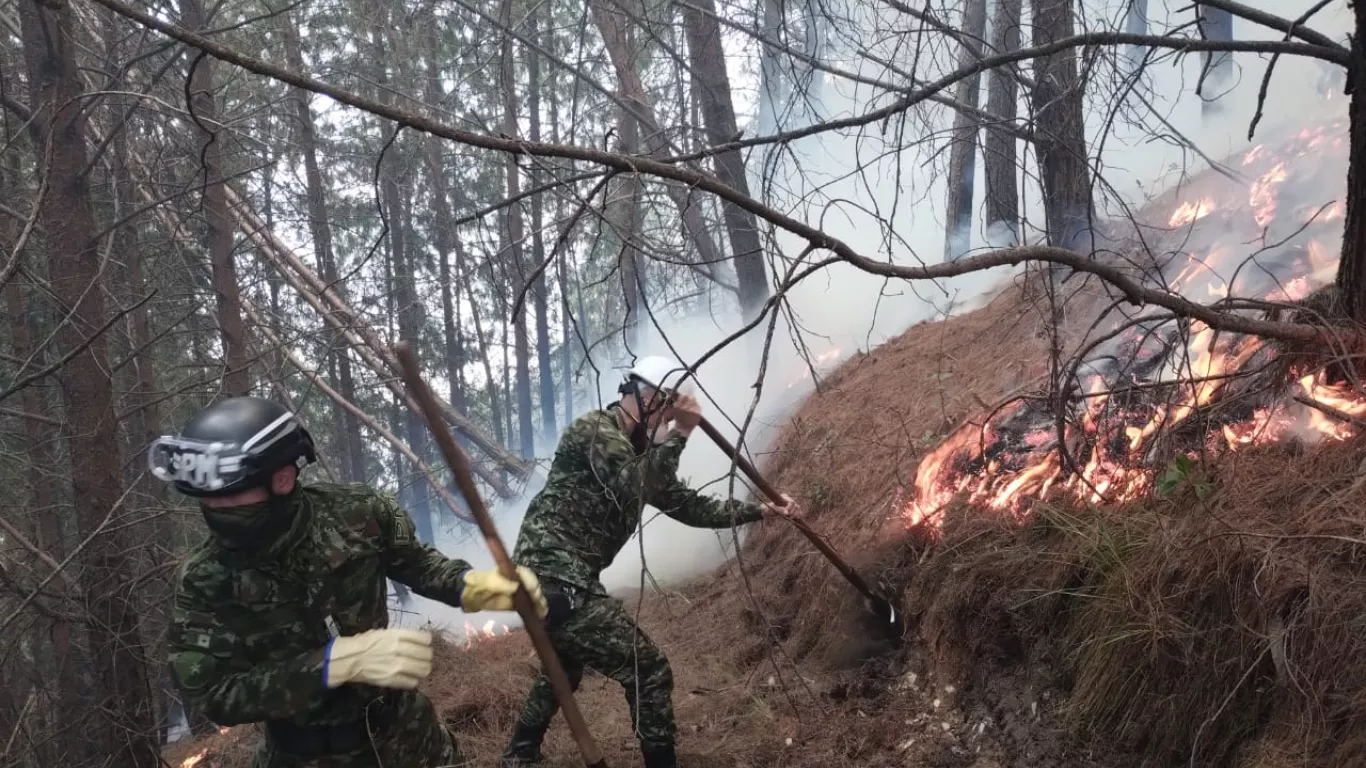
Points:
(1263, 194)
(474, 636)
(818, 362)
(193, 760)
(1174, 382)
(1187, 213)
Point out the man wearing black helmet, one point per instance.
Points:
(281, 617)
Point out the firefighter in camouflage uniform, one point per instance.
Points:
(609, 464)
(281, 614)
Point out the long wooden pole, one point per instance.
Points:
(535, 628)
(880, 604)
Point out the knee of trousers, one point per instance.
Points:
(656, 675)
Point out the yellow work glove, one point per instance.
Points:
(491, 591)
(389, 658)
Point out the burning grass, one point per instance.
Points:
(1218, 625)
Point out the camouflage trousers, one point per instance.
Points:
(599, 634)
(415, 739)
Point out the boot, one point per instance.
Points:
(659, 757)
(524, 748)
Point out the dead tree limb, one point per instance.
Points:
(291, 356)
(336, 312)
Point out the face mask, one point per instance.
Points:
(251, 526)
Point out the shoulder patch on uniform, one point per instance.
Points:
(194, 671)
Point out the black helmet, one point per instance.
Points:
(231, 446)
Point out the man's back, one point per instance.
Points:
(592, 500)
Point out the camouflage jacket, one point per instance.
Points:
(594, 495)
(248, 632)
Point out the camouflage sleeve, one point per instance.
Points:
(615, 459)
(674, 498)
(408, 561)
(207, 666)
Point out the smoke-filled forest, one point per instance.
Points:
(1025, 260)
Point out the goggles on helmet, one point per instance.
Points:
(205, 467)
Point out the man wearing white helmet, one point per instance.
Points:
(608, 465)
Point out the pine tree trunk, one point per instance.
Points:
(128, 737)
(41, 507)
(404, 307)
(999, 151)
(1060, 132)
(1351, 277)
(611, 21)
(1215, 24)
(347, 426)
(712, 84)
(446, 242)
(1136, 23)
(236, 377)
(963, 142)
(539, 289)
(512, 256)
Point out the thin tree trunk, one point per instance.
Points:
(708, 63)
(346, 425)
(128, 739)
(611, 23)
(623, 214)
(236, 378)
(41, 457)
(1060, 138)
(491, 385)
(513, 254)
(1351, 277)
(539, 289)
(447, 240)
(445, 244)
(963, 143)
(999, 152)
(1215, 24)
(562, 277)
(1136, 23)
(410, 314)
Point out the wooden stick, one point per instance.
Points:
(881, 605)
(460, 467)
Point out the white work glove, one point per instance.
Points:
(491, 591)
(389, 658)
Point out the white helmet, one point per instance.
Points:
(660, 373)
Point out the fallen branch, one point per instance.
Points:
(292, 357)
(535, 626)
(176, 231)
(344, 319)
(1336, 413)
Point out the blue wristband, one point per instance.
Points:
(327, 657)
(460, 588)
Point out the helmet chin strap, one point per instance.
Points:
(641, 439)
